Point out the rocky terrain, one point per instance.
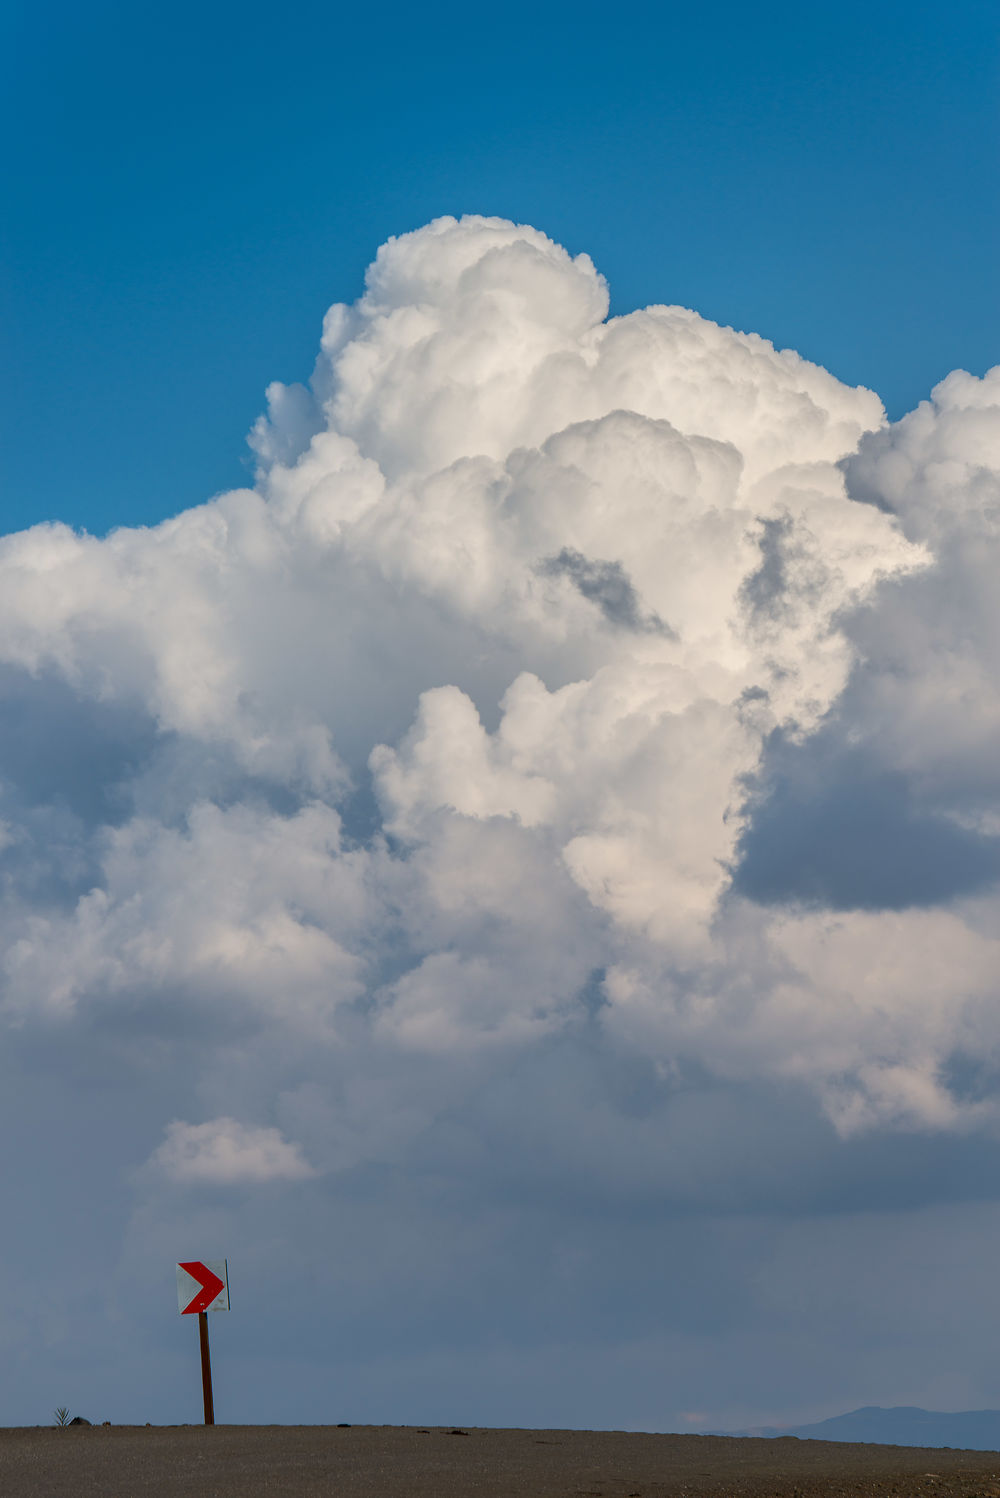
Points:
(247, 1461)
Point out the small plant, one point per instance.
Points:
(62, 1415)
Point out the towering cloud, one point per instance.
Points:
(569, 699)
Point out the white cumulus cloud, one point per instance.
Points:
(449, 738)
(223, 1152)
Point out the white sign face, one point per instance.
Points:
(202, 1285)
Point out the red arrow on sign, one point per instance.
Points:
(210, 1286)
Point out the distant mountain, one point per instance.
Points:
(903, 1425)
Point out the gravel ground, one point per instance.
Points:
(319, 1461)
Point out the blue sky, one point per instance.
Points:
(193, 185)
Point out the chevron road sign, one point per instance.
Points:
(203, 1286)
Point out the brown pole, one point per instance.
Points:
(206, 1368)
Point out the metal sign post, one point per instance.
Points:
(208, 1279)
(206, 1368)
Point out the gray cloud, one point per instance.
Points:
(836, 830)
(607, 585)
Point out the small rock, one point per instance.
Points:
(79, 1420)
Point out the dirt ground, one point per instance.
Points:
(319, 1461)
